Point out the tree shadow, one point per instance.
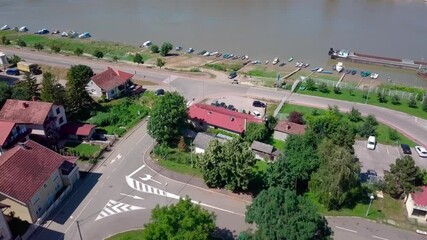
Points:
(46, 233)
(224, 234)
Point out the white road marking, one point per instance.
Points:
(134, 197)
(379, 237)
(149, 178)
(113, 207)
(114, 169)
(116, 158)
(170, 79)
(137, 170)
(388, 152)
(108, 177)
(217, 208)
(416, 119)
(346, 229)
(398, 153)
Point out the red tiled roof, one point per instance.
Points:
(110, 78)
(79, 129)
(290, 128)
(221, 117)
(19, 111)
(420, 198)
(5, 129)
(24, 170)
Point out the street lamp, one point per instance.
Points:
(371, 197)
(166, 193)
(367, 96)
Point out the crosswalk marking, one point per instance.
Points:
(113, 207)
(170, 79)
(142, 187)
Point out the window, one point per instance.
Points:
(58, 111)
(35, 198)
(61, 120)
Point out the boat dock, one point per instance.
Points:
(292, 73)
(371, 59)
(339, 81)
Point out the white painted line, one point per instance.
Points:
(149, 178)
(416, 119)
(102, 184)
(108, 177)
(130, 175)
(398, 153)
(114, 169)
(379, 237)
(388, 152)
(134, 197)
(346, 229)
(72, 223)
(96, 192)
(217, 208)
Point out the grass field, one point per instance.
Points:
(129, 235)
(82, 149)
(262, 72)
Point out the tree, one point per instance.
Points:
(337, 90)
(51, 90)
(337, 178)
(281, 214)
(5, 93)
(98, 54)
(256, 132)
(30, 83)
(78, 76)
(369, 127)
(382, 98)
(21, 43)
(115, 58)
(296, 117)
(168, 117)
(138, 59)
(183, 220)
(292, 170)
(14, 59)
(55, 48)
(393, 134)
(165, 49)
(3, 40)
(323, 88)
(228, 165)
(354, 115)
(310, 85)
(38, 46)
(154, 48)
(160, 62)
(403, 177)
(20, 92)
(412, 103)
(78, 51)
(395, 100)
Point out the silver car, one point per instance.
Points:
(422, 152)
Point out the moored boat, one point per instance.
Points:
(275, 61)
(353, 72)
(282, 64)
(306, 65)
(5, 27)
(290, 59)
(23, 29)
(319, 70)
(190, 50)
(85, 35)
(147, 44)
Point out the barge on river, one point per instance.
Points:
(371, 59)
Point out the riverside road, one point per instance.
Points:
(120, 194)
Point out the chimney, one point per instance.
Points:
(288, 126)
(24, 104)
(232, 119)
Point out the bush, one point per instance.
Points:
(195, 70)
(161, 151)
(78, 51)
(323, 88)
(393, 134)
(425, 104)
(337, 90)
(354, 115)
(310, 85)
(38, 46)
(55, 48)
(412, 103)
(382, 98)
(98, 54)
(296, 117)
(154, 48)
(165, 49)
(395, 100)
(21, 43)
(138, 59)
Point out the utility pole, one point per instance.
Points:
(166, 193)
(191, 153)
(78, 228)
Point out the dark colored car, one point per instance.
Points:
(258, 104)
(159, 92)
(232, 75)
(222, 104)
(12, 71)
(231, 107)
(406, 149)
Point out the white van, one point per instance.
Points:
(372, 142)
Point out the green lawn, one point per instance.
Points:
(84, 150)
(262, 72)
(271, 107)
(180, 168)
(382, 129)
(261, 166)
(129, 235)
(358, 96)
(220, 131)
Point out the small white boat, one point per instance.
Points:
(246, 57)
(85, 35)
(319, 70)
(296, 64)
(64, 34)
(374, 75)
(5, 27)
(179, 48)
(72, 34)
(275, 61)
(23, 29)
(300, 64)
(213, 53)
(206, 54)
(190, 50)
(266, 62)
(56, 32)
(147, 44)
(306, 65)
(339, 67)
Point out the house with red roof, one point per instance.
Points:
(31, 178)
(78, 131)
(204, 116)
(285, 128)
(11, 133)
(416, 205)
(109, 83)
(43, 118)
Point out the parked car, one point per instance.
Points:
(159, 92)
(215, 102)
(222, 104)
(12, 71)
(372, 142)
(406, 149)
(232, 75)
(231, 107)
(258, 104)
(256, 114)
(422, 151)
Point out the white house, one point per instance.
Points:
(416, 205)
(109, 83)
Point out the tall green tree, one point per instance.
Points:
(138, 59)
(78, 76)
(256, 132)
(165, 49)
(228, 165)
(5, 93)
(354, 115)
(281, 214)
(168, 117)
(337, 178)
(20, 92)
(160, 62)
(183, 220)
(30, 83)
(14, 59)
(403, 177)
(51, 90)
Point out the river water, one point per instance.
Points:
(262, 29)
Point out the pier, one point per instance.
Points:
(292, 73)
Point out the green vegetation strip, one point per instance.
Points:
(82, 149)
(129, 235)
(180, 168)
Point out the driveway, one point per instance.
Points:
(383, 155)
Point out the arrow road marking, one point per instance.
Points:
(149, 177)
(113, 207)
(134, 197)
(116, 158)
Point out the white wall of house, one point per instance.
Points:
(411, 207)
(5, 233)
(199, 150)
(59, 112)
(93, 89)
(280, 135)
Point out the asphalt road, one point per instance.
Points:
(115, 198)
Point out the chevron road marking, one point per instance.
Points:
(113, 207)
(142, 187)
(170, 79)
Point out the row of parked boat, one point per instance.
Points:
(70, 34)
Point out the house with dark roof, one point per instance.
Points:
(11, 133)
(204, 116)
(416, 205)
(43, 118)
(202, 140)
(285, 128)
(109, 83)
(264, 151)
(31, 177)
(78, 131)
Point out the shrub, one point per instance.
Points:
(354, 115)
(323, 88)
(412, 103)
(161, 151)
(154, 48)
(395, 100)
(310, 85)
(351, 92)
(55, 48)
(98, 54)
(165, 49)
(296, 117)
(78, 51)
(337, 90)
(115, 58)
(38, 46)
(425, 104)
(382, 98)
(195, 70)
(393, 134)
(315, 112)
(21, 43)
(138, 59)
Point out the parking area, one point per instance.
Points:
(240, 104)
(383, 155)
